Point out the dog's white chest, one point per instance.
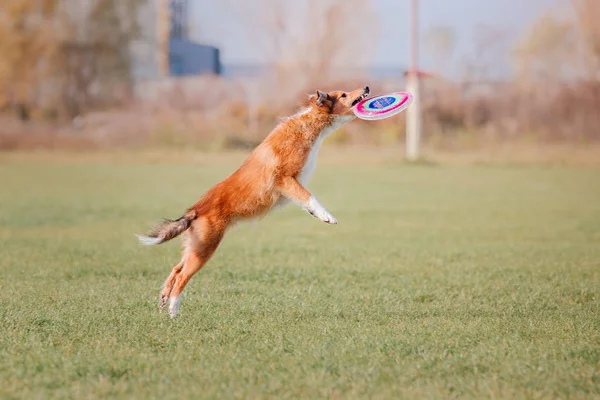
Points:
(311, 161)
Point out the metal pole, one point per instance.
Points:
(413, 116)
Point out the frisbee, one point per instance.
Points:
(384, 106)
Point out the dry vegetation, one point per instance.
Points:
(61, 58)
(550, 104)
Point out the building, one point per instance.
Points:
(189, 58)
(185, 56)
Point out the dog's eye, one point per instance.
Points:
(343, 95)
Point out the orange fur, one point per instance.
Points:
(269, 176)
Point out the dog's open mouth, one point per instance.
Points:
(360, 98)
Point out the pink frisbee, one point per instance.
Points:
(384, 106)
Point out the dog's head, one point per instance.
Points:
(338, 102)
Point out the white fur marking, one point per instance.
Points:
(148, 241)
(174, 305)
(317, 209)
(311, 162)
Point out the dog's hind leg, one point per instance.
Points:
(168, 285)
(197, 255)
(165, 293)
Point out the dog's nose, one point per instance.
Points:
(367, 89)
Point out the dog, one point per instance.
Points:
(274, 175)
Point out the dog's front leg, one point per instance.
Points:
(290, 188)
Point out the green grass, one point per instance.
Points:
(438, 282)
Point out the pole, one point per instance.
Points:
(413, 116)
(164, 28)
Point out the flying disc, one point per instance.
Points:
(384, 106)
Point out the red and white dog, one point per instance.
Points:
(273, 175)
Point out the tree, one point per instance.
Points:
(587, 15)
(96, 50)
(68, 51)
(490, 50)
(439, 42)
(312, 41)
(565, 46)
(547, 51)
(28, 48)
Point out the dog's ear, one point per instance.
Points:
(321, 97)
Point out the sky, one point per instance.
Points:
(213, 22)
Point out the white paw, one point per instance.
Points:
(174, 306)
(318, 211)
(326, 217)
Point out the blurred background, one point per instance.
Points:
(217, 75)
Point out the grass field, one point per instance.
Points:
(438, 282)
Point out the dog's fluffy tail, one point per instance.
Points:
(167, 230)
